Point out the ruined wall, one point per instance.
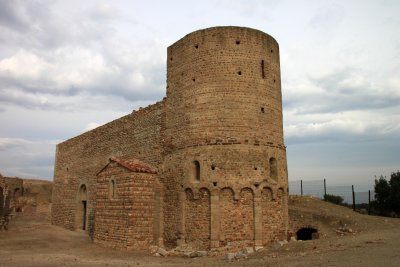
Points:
(2, 194)
(274, 219)
(223, 129)
(237, 218)
(15, 186)
(79, 159)
(125, 216)
(197, 219)
(223, 86)
(217, 140)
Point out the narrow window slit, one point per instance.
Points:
(262, 69)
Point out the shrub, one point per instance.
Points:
(338, 200)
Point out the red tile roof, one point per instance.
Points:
(134, 165)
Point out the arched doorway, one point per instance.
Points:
(82, 208)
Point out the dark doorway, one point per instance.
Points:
(81, 220)
(307, 233)
(84, 215)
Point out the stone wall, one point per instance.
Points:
(15, 186)
(197, 219)
(79, 159)
(216, 139)
(223, 129)
(125, 208)
(237, 218)
(2, 194)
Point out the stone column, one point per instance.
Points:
(181, 226)
(215, 219)
(257, 219)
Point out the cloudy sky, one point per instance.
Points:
(69, 66)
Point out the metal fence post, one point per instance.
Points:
(301, 187)
(354, 198)
(369, 202)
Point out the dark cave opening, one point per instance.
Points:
(307, 233)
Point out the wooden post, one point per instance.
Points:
(301, 187)
(324, 189)
(354, 198)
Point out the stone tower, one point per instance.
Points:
(224, 165)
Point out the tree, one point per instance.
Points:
(387, 194)
(394, 196)
(338, 200)
(382, 192)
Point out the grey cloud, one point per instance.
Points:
(328, 17)
(13, 15)
(338, 94)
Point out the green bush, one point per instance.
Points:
(387, 193)
(338, 200)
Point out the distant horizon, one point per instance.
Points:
(69, 66)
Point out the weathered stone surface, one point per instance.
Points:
(216, 141)
(162, 252)
(230, 256)
(248, 250)
(240, 255)
(199, 253)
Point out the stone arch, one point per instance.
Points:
(17, 193)
(273, 169)
(198, 218)
(268, 214)
(7, 202)
(82, 208)
(189, 194)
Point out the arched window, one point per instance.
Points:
(113, 189)
(273, 169)
(196, 170)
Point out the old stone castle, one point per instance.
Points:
(206, 166)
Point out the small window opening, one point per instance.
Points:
(274, 80)
(237, 42)
(213, 167)
(193, 79)
(239, 73)
(272, 51)
(307, 233)
(256, 185)
(262, 69)
(113, 189)
(215, 183)
(262, 110)
(196, 46)
(170, 58)
(255, 168)
(196, 166)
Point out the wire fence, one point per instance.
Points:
(318, 188)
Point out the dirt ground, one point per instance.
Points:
(346, 238)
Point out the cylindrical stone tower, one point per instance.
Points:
(225, 160)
